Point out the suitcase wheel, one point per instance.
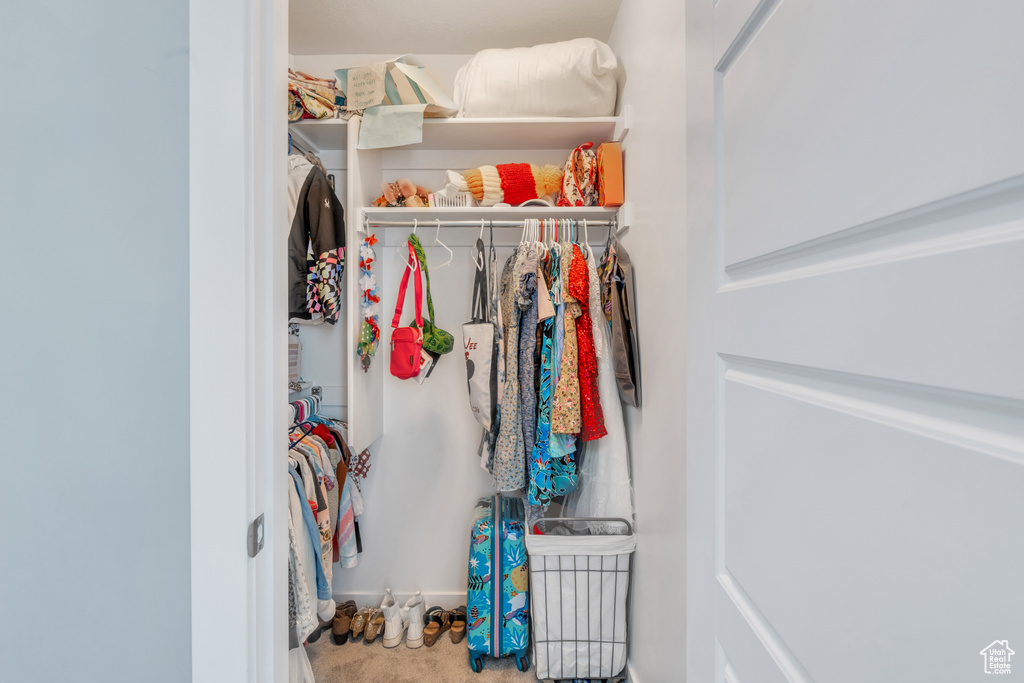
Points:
(476, 664)
(523, 663)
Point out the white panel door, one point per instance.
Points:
(856, 349)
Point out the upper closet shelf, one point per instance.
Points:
(448, 134)
(428, 216)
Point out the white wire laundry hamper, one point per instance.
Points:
(579, 589)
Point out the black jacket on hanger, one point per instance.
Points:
(319, 221)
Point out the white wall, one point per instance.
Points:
(424, 479)
(648, 41)
(94, 342)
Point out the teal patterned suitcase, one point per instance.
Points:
(498, 597)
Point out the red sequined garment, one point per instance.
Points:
(590, 398)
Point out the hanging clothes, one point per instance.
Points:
(540, 464)
(566, 418)
(606, 490)
(553, 468)
(302, 618)
(509, 456)
(526, 296)
(590, 405)
(619, 303)
(323, 503)
(316, 244)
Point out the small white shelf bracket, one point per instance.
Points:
(623, 219)
(622, 126)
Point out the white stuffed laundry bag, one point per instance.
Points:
(571, 78)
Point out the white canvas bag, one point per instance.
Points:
(478, 339)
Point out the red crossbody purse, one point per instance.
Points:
(407, 342)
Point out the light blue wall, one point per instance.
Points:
(94, 506)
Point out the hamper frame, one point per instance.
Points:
(555, 654)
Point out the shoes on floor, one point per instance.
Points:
(359, 622)
(343, 622)
(412, 614)
(323, 624)
(438, 620)
(395, 622)
(374, 625)
(458, 623)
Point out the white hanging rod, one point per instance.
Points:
(475, 224)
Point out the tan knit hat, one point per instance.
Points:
(485, 184)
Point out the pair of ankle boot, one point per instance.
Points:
(342, 623)
(404, 621)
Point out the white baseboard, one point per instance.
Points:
(630, 676)
(446, 599)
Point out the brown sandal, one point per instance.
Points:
(374, 625)
(458, 624)
(437, 621)
(359, 621)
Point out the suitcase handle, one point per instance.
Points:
(619, 520)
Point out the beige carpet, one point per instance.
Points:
(357, 662)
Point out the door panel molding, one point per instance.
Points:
(747, 621)
(983, 424)
(806, 89)
(992, 214)
(736, 24)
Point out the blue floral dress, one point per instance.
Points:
(552, 462)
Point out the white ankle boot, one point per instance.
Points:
(394, 623)
(413, 614)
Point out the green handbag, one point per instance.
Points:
(435, 339)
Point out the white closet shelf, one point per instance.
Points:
(475, 213)
(504, 133)
(321, 134)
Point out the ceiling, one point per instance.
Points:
(451, 27)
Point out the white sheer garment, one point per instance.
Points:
(301, 562)
(299, 668)
(605, 487)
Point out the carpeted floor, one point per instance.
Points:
(357, 662)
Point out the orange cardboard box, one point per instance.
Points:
(609, 174)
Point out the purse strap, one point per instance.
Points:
(479, 311)
(411, 266)
(417, 248)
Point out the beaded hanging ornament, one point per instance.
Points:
(369, 332)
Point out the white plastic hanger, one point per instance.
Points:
(439, 243)
(402, 255)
